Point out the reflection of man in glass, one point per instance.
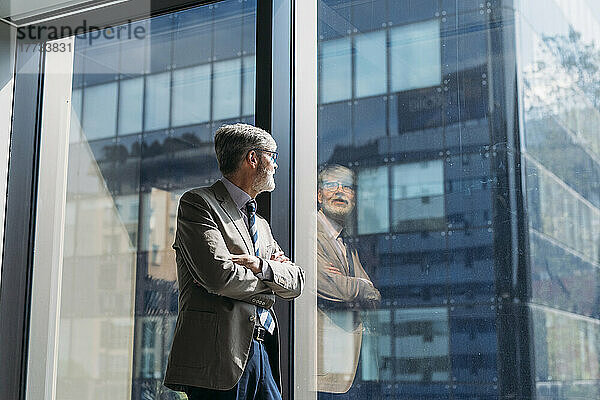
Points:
(343, 286)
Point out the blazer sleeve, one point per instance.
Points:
(288, 278)
(208, 259)
(342, 288)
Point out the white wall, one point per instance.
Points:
(17, 9)
(7, 52)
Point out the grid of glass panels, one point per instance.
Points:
(144, 111)
(403, 103)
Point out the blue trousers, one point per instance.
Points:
(256, 383)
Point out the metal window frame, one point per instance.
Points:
(7, 67)
(17, 259)
(516, 364)
(21, 205)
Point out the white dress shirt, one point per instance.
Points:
(240, 198)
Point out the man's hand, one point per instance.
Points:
(279, 256)
(334, 270)
(248, 261)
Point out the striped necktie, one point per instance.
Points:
(263, 315)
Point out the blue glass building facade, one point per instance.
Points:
(434, 107)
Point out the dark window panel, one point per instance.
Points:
(472, 49)
(474, 17)
(472, 392)
(414, 278)
(472, 273)
(466, 6)
(473, 343)
(418, 143)
(335, 130)
(127, 153)
(192, 38)
(406, 11)
(417, 109)
(133, 50)
(160, 42)
(189, 137)
(369, 120)
(435, 391)
(101, 59)
(472, 133)
(369, 15)
(249, 28)
(334, 19)
(228, 30)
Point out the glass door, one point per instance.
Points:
(128, 120)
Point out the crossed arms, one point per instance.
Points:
(210, 263)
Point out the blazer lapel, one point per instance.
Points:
(331, 248)
(228, 205)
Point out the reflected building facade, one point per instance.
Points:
(476, 207)
(470, 129)
(144, 111)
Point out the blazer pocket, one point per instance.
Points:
(195, 342)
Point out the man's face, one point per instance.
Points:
(336, 196)
(265, 180)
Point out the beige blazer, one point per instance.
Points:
(217, 317)
(339, 329)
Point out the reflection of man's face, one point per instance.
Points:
(336, 195)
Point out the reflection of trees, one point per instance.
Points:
(562, 114)
(120, 153)
(569, 58)
(580, 60)
(562, 103)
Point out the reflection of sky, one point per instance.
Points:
(418, 179)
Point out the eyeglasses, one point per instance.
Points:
(273, 154)
(334, 186)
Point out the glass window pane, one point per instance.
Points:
(100, 111)
(157, 101)
(117, 304)
(369, 15)
(191, 95)
(370, 50)
(160, 41)
(369, 120)
(335, 131)
(418, 195)
(227, 30)
(249, 82)
(101, 59)
(131, 106)
(563, 201)
(226, 89)
(133, 48)
(335, 70)
(415, 56)
(372, 200)
(76, 107)
(193, 38)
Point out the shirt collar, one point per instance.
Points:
(331, 227)
(239, 197)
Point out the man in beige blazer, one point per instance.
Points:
(344, 289)
(230, 270)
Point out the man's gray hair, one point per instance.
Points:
(233, 142)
